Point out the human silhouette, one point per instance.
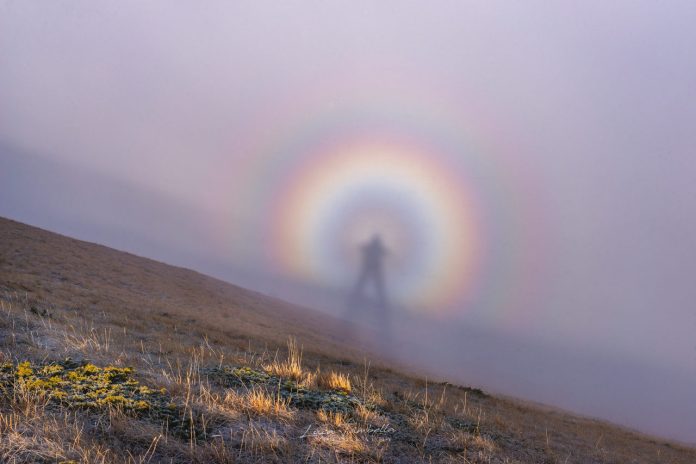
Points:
(372, 271)
(362, 307)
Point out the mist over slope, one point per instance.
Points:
(648, 397)
(529, 172)
(63, 297)
(638, 392)
(86, 277)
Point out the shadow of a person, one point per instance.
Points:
(371, 275)
(372, 271)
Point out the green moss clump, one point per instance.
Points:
(336, 402)
(468, 426)
(298, 396)
(234, 376)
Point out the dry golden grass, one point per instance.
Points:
(30, 432)
(291, 367)
(65, 298)
(335, 419)
(334, 381)
(264, 445)
(369, 418)
(345, 447)
(258, 402)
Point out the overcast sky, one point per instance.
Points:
(163, 128)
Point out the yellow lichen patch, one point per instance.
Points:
(24, 369)
(113, 399)
(86, 386)
(90, 369)
(95, 388)
(58, 395)
(52, 369)
(145, 390)
(113, 374)
(142, 405)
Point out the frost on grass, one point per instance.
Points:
(330, 400)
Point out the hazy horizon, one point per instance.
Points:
(530, 166)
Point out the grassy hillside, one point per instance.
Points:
(107, 357)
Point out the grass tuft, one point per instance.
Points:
(291, 367)
(336, 419)
(334, 381)
(257, 402)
